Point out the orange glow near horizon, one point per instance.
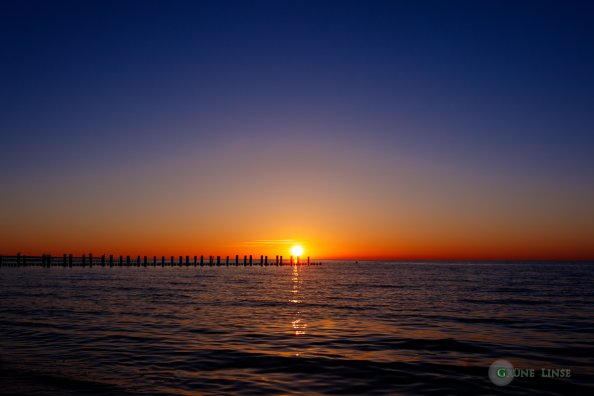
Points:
(372, 208)
(401, 247)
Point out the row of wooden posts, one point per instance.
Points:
(69, 260)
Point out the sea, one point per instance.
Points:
(349, 328)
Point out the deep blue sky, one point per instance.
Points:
(481, 90)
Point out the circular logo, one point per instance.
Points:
(501, 372)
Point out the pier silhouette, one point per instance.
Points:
(69, 261)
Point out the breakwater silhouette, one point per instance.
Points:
(90, 260)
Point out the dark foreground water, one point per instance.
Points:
(342, 328)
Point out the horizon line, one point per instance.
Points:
(333, 258)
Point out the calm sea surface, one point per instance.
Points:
(341, 328)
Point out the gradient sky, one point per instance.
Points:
(360, 129)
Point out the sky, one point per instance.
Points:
(358, 129)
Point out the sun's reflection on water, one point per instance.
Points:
(299, 324)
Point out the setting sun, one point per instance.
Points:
(297, 250)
